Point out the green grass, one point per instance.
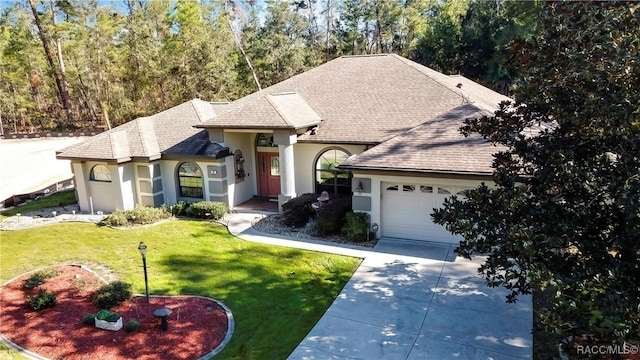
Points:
(66, 197)
(276, 294)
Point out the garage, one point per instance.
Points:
(406, 211)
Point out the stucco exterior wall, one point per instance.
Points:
(127, 198)
(305, 155)
(80, 179)
(101, 196)
(169, 170)
(240, 192)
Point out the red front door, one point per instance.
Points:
(269, 174)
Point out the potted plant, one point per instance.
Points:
(108, 320)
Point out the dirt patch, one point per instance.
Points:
(197, 325)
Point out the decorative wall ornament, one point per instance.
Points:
(238, 164)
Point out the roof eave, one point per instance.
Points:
(341, 142)
(421, 171)
(83, 158)
(247, 127)
(220, 155)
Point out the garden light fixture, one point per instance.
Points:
(143, 251)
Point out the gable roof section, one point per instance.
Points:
(361, 99)
(436, 146)
(266, 111)
(170, 131)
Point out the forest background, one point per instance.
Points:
(93, 64)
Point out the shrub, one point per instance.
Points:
(89, 319)
(208, 210)
(102, 314)
(331, 216)
(112, 294)
(131, 326)
(43, 300)
(116, 218)
(356, 227)
(140, 215)
(298, 210)
(180, 208)
(113, 317)
(310, 227)
(38, 278)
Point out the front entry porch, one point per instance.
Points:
(259, 203)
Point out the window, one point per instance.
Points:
(100, 173)
(190, 180)
(426, 189)
(408, 188)
(443, 191)
(392, 188)
(275, 166)
(328, 177)
(265, 140)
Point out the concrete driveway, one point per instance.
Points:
(416, 300)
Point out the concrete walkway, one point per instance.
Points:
(410, 300)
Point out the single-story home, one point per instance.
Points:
(380, 127)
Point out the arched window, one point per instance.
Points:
(190, 180)
(265, 140)
(100, 173)
(328, 177)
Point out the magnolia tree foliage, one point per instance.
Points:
(564, 213)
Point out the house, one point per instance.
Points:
(379, 127)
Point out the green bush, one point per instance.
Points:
(38, 278)
(331, 216)
(106, 315)
(180, 208)
(112, 294)
(131, 326)
(102, 314)
(208, 210)
(356, 227)
(298, 210)
(43, 300)
(113, 317)
(140, 215)
(89, 319)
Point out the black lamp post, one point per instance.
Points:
(143, 251)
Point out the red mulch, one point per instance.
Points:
(196, 326)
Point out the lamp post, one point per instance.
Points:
(143, 251)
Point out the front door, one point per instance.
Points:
(269, 174)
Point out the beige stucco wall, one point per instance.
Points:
(169, 170)
(127, 183)
(99, 196)
(305, 155)
(245, 190)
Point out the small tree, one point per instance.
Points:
(564, 213)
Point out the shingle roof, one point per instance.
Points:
(361, 99)
(266, 111)
(170, 131)
(434, 146)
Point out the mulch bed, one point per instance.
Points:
(197, 325)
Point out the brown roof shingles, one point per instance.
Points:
(435, 146)
(411, 111)
(361, 99)
(148, 137)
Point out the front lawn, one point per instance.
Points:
(276, 294)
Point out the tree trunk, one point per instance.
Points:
(65, 100)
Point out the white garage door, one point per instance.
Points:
(407, 208)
